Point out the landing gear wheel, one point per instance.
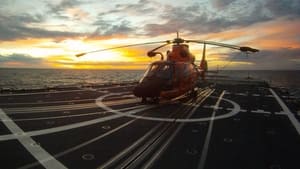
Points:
(144, 100)
(193, 93)
(156, 100)
(153, 100)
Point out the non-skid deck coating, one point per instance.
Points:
(237, 126)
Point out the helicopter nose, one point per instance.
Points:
(148, 89)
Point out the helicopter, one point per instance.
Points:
(176, 75)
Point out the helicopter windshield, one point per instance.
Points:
(160, 70)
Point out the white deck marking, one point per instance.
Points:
(72, 149)
(121, 154)
(52, 102)
(40, 93)
(63, 91)
(47, 102)
(42, 109)
(227, 93)
(289, 97)
(37, 151)
(70, 126)
(280, 113)
(290, 115)
(158, 153)
(256, 95)
(260, 111)
(69, 116)
(208, 136)
(241, 110)
(235, 110)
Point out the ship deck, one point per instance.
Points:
(230, 125)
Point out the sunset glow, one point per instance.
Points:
(50, 36)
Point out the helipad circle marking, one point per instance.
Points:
(195, 131)
(191, 151)
(227, 140)
(237, 119)
(202, 123)
(35, 144)
(88, 157)
(20, 134)
(106, 127)
(235, 110)
(50, 122)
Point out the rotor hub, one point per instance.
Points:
(178, 40)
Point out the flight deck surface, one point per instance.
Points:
(236, 126)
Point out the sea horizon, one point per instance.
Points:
(32, 78)
(146, 68)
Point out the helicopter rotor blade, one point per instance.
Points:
(241, 48)
(124, 46)
(248, 49)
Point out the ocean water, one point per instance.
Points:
(42, 78)
(277, 78)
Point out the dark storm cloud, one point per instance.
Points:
(59, 10)
(14, 27)
(64, 4)
(108, 28)
(200, 20)
(221, 4)
(21, 58)
(121, 26)
(283, 7)
(270, 59)
(142, 7)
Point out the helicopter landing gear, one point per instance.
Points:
(193, 93)
(153, 100)
(144, 100)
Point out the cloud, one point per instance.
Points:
(221, 4)
(283, 7)
(68, 10)
(77, 14)
(127, 18)
(63, 5)
(269, 59)
(21, 60)
(14, 27)
(107, 28)
(201, 20)
(142, 7)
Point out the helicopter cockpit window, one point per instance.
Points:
(164, 72)
(152, 69)
(159, 70)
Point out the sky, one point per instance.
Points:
(48, 34)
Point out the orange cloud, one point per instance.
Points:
(227, 35)
(15, 64)
(77, 13)
(280, 33)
